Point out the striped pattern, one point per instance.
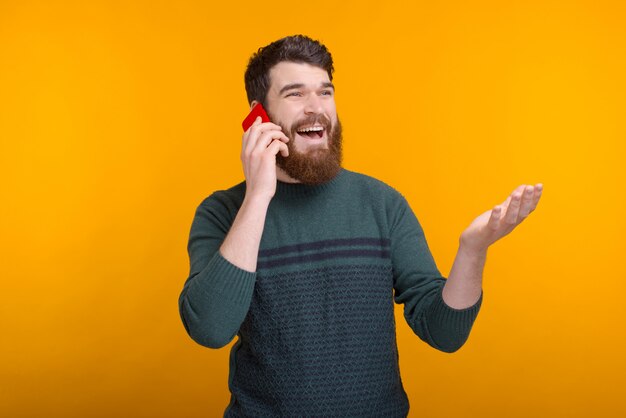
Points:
(323, 250)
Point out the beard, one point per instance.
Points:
(314, 166)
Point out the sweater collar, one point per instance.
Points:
(295, 190)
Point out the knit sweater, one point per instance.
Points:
(316, 321)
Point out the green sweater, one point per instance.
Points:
(316, 320)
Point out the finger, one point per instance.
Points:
(512, 211)
(527, 202)
(271, 125)
(261, 136)
(256, 130)
(537, 190)
(267, 138)
(284, 150)
(246, 135)
(277, 146)
(537, 195)
(507, 201)
(494, 219)
(250, 135)
(258, 125)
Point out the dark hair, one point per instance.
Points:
(297, 48)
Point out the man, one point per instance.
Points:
(304, 259)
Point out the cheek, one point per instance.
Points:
(285, 116)
(331, 110)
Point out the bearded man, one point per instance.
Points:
(304, 259)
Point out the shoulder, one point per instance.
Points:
(382, 196)
(223, 203)
(232, 196)
(372, 186)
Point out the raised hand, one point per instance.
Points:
(502, 219)
(260, 144)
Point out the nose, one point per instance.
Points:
(313, 105)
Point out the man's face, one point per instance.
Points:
(301, 99)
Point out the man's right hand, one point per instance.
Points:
(260, 144)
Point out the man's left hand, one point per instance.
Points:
(502, 219)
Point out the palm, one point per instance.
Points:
(494, 224)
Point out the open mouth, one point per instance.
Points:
(311, 132)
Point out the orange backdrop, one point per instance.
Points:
(118, 117)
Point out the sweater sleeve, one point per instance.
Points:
(217, 294)
(418, 285)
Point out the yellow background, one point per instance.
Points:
(117, 118)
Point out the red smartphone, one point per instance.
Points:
(257, 110)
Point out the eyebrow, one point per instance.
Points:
(293, 86)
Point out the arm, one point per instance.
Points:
(223, 257)
(260, 145)
(418, 285)
(217, 294)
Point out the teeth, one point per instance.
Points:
(311, 129)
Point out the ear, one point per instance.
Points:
(253, 103)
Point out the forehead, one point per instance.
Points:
(285, 73)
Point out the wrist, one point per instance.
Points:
(257, 199)
(473, 250)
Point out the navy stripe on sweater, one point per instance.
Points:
(324, 250)
(325, 244)
(323, 256)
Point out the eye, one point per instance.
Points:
(294, 94)
(327, 93)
